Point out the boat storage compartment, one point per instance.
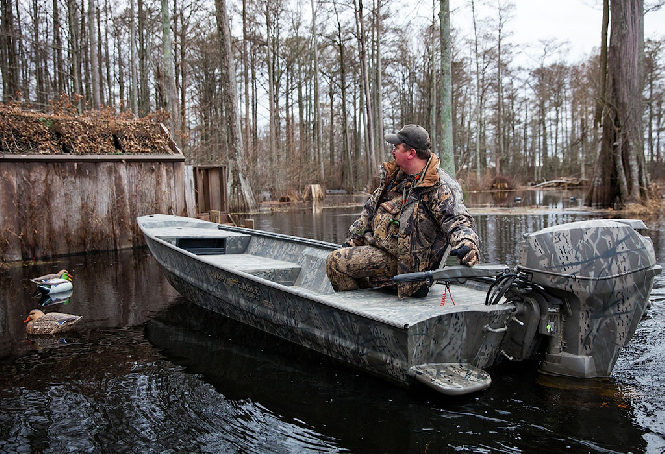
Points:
(202, 246)
(210, 243)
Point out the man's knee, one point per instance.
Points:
(336, 269)
(329, 264)
(333, 262)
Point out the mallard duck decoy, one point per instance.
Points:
(54, 283)
(62, 274)
(51, 323)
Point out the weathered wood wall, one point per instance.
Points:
(54, 205)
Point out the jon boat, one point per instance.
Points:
(572, 302)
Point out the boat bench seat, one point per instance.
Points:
(278, 271)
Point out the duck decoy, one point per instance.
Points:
(55, 283)
(62, 274)
(51, 323)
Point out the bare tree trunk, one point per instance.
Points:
(478, 113)
(23, 67)
(447, 155)
(287, 114)
(302, 135)
(622, 141)
(659, 125)
(39, 60)
(360, 27)
(245, 70)
(230, 92)
(107, 56)
(75, 46)
(602, 83)
(94, 60)
(100, 54)
(378, 105)
(318, 145)
(58, 70)
(331, 134)
(347, 164)
(650, 80)
(271, 91)
(184, 82)
(433, 125)
(9, 66)
(503, 11)
(255, 100)
(143, 57)
(134, 91)
(121, 74)
(177, 65)
(85, 56)
(617, 159)
(169, 81)
(643, 174)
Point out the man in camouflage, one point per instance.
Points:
(408, 222)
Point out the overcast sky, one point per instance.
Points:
(576, 22)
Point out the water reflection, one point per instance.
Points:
(502, 234)
(557, 199)
(47, 298)
(329, 401)
(305, 390)
(116, 289)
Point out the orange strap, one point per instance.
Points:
(446, 290)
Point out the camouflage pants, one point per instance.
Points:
(350, 268)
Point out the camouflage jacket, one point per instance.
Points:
(432, 217)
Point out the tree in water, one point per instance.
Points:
(241, 194)
(620, 176)
(447, 157)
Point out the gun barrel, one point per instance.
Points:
(452, 273)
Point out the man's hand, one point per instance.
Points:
(467, 252)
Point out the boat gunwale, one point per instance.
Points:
(280, 236)
(300, 291)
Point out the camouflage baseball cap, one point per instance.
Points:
(413, 135)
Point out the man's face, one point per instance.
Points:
(401, 154)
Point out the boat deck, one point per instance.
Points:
(378, 304)
(385, 305)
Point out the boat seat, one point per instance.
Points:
(278, 271)
(314, 277)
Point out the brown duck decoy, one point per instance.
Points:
(51, 323)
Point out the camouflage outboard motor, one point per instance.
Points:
(580, 290)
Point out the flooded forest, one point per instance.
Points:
(314, 86)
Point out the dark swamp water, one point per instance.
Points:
(148, 371)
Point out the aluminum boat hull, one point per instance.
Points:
(277, 283)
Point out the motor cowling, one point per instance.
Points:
(587, 287)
